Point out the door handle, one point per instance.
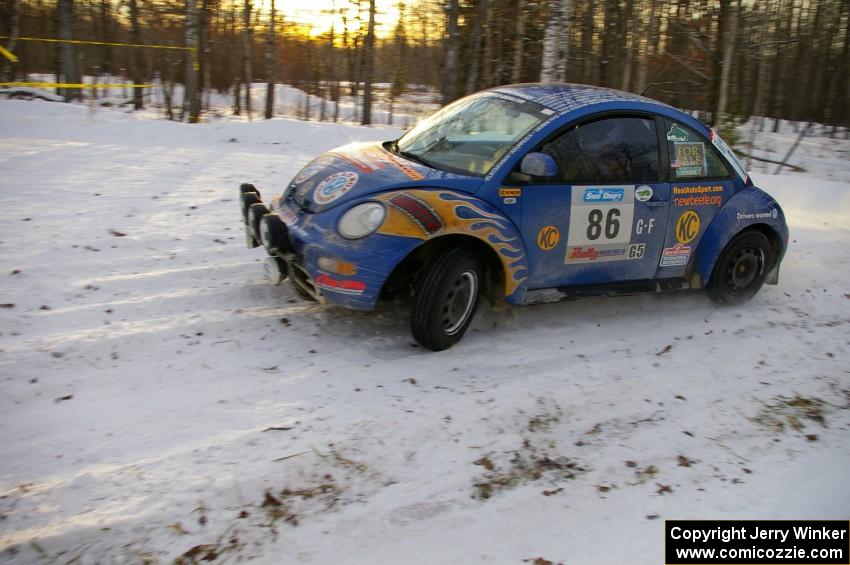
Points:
(657, 203)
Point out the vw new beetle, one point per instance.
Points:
(516, 190)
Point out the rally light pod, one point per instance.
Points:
(248, 187)
(274, 269)
(246, 200)
(273, 233)
(255, 213)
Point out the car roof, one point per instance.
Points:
(582, 99)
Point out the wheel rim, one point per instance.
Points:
(744, 267)
(459, 302)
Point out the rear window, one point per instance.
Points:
(617, 149)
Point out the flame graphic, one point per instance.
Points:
(460, 214)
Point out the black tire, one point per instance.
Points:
(741, 269)
(445, 299)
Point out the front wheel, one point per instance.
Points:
(741, 269)
(445, 299)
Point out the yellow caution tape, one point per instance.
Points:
(192, 50)
(8, 54)
(73, 85)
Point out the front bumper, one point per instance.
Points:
(303, 245)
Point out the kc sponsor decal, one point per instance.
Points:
(326, 282)
(688, 196)
(604, 194)
(687, 227)
(334, 187)
(675, 256)
(548, 238)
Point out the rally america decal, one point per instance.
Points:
(601, 221)
(334, 187)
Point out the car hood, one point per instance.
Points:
(359, 169)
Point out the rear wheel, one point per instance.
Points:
(741, 269)
(445, 299)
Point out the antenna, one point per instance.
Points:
(653, 81)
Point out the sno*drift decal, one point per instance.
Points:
(334, 187)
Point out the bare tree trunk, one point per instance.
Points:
(474, 52)
(728, 52)
(451, 45)
(69, 59)
(192, 100)
(648, 40)
(369, 66)
(588, 55)
(519, 42)
(270, 63)
(629, 43)
(136, 55)
(247, 73)
(14, 32)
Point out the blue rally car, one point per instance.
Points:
(519, 189)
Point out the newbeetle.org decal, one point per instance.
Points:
(689, 196)
(334, 187)
(601, 224)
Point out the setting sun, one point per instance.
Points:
(320, 15)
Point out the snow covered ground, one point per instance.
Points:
(159, 402)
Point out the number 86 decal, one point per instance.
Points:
(595, 227)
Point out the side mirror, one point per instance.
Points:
(538, 165)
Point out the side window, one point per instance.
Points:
(692, 157)
(621, 149)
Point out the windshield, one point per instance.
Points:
(472, 134)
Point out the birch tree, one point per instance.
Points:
(247, 73)
(556, 42)
(270, 62)
(191, 99)
(369, 66)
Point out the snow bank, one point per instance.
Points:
(159, 399)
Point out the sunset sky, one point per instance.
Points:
(318, 14)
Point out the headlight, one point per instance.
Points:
(361, 220)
